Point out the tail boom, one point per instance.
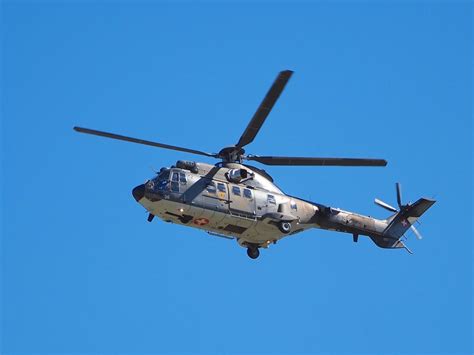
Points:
(384, 233)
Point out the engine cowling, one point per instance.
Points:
(187, 165)
(237, 175)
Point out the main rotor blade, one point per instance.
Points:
(385, 205)
(265, 107)
(270, 160)
(141, 141)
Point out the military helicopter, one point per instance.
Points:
(235, 200)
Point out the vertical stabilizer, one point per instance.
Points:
(408, 215)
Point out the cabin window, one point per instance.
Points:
(236, 190)
(271, 199)
(293, 205)
(221, 187)
(248, 193)
(182, 178)
(211, 188)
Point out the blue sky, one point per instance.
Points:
(82, 270)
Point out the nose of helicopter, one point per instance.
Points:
(138, 192)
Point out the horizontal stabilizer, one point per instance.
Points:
(419, 207)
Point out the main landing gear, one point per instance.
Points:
(285, 227)
(253, 252)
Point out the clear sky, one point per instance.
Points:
(82, 270)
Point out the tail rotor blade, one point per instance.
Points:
(414, 230)
(399, 194)
(385, 205)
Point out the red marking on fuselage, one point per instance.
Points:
(201, 221)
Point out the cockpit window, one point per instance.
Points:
(175, 177)
(161, 182)
(175, 181)
(182, 178)
(271, 199)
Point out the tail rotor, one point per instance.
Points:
(401, 207)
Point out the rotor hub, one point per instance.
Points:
(231, 154)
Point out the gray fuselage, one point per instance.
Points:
(218, 200)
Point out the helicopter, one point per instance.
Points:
(236, 200)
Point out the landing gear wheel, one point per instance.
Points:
(253, 253)
(285, 227)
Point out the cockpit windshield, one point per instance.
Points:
(163, 175)
(161, 182)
